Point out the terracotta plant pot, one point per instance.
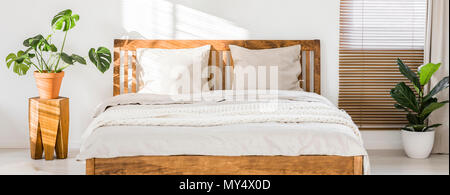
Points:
(48, 84)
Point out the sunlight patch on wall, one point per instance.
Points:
(142, 19)
(160, 19)
(193, 24)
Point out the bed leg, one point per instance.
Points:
(90, 166)
(358, 165)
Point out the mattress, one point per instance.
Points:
(268, 139)
(299, 123)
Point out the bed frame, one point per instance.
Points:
(126, 81)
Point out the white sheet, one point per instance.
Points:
(269, 139)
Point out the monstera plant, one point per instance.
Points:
(418, 135)
(49, 62)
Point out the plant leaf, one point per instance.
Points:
(426, 72)
(443, 84)
(408, 73)
(33, 41)
(66, 58)
(10, 56)
(432, 107)
(100, 58)
(415, 128)
(413, 119)
(20, 68)
(10, 59)
(426, 104)
(78, 59)
(93, 56)
(400, 107)
(21, 56)
(38, 42)
(64, 20)
(53, 48)
(20, 62)
(419, 128)
(408, 128)
(76, 17)
(431, 127)
(405, 96)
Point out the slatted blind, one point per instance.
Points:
(373, 34)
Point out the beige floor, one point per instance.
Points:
(17, 161)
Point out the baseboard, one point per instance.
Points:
(74, 144)
(10, 145)
(382, 140)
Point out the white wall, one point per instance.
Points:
(104, 20)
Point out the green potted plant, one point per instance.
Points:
(49, 62)
(418, 135)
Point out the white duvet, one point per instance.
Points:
(221, 123)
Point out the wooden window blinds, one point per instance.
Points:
(373, 34)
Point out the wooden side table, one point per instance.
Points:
(49, 127)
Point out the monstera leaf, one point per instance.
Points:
(78, 59)
(66, 58)
(38, 42)
(101, 58)
(65, 20)
(20, 61)
(72, 59)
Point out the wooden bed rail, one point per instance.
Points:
(226, 165)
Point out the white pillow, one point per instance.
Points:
(173, 71)
(252, 68)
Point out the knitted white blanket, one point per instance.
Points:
(221, 108)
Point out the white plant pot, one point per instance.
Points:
(418, 144)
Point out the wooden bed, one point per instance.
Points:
(125, 81)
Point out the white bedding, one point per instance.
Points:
(289, 123)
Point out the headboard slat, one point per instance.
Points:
(125, 71)
(225, 64)
(220, 57)
(317, 68)
(300, 77)
(133, 73)
(218, 72)
(116, 74)
(308, 70)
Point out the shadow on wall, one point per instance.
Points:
(161, 19)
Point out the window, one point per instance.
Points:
(373, 34)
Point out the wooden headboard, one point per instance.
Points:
(125, 59)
